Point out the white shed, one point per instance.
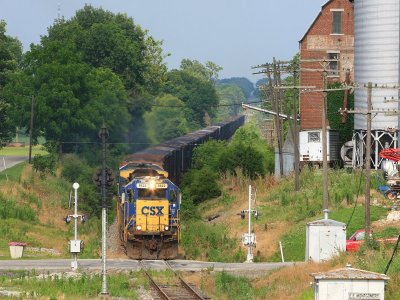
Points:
(349, 284)
(324, 239)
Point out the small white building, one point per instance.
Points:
(324, 239)
(349, 284)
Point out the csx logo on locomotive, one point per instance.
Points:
(153, 210)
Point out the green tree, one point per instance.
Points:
(245, 85)
(207, 72)
(95, 67)
(230, 99)
(198, 95)
(166, 120)
(10, 56)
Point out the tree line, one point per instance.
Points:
(102, 68)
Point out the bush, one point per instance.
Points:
(45, 164)
(9, 209)
(247, 158)
(75, 169)
(201, 184)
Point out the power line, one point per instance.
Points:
(217, 105)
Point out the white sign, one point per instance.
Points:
(249, 239)
(364, 296)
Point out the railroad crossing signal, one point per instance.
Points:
(109, 180)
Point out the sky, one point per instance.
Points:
(235, 34)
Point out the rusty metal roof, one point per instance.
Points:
(349, 273)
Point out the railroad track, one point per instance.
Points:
(174, 288)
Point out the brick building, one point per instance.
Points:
(330, 36)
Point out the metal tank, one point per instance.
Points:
(376, 52)
(376, 60)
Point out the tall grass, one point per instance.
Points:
(84, 286)
(234, 287)
(202, 241)
(9, 209)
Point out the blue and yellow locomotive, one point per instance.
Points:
(148, 212)
(149, 199)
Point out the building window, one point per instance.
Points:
(313, 137)
(333, 67)
(337, 22)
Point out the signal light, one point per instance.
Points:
(67, 219)
(242, 215)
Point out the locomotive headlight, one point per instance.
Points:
(138, 227)
(166, 227)
(152, 184)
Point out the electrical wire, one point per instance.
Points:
(217, 105)
(393, 253)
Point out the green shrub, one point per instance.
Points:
(212, 241)
(234, 287)
(75, 169)
(45, 164)
(201, 185)
(245, 157)
(9, 209)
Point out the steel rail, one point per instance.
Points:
(190, 289)
(159, 290)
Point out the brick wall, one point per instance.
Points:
(315, 44)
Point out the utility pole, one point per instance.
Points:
(368, 145)
(324, 143)
(276, 118)
(277, 99)
(288, 67)
(295, 135)
(368, 163)
(104, 135)
(31, 129)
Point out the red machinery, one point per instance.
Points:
(392, 156)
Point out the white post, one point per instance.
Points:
(250, 252)
(74, 263)
(5, 168)
(280, 246)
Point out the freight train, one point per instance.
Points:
(149, 197)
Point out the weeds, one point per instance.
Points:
(233, 287)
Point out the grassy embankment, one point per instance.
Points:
(284, 215)
(22, 151)
(32, 210)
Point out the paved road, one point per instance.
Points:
(127, 264)
(10, 161)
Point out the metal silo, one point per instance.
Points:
(376, 60)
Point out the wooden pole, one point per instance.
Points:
(278, 122)
(31, 130)
(368, 163)
(276, 119)
(324, 143)
(295, 136)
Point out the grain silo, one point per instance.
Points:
(376, 60)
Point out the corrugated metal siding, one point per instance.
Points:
(334, 147)
(376, 48)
